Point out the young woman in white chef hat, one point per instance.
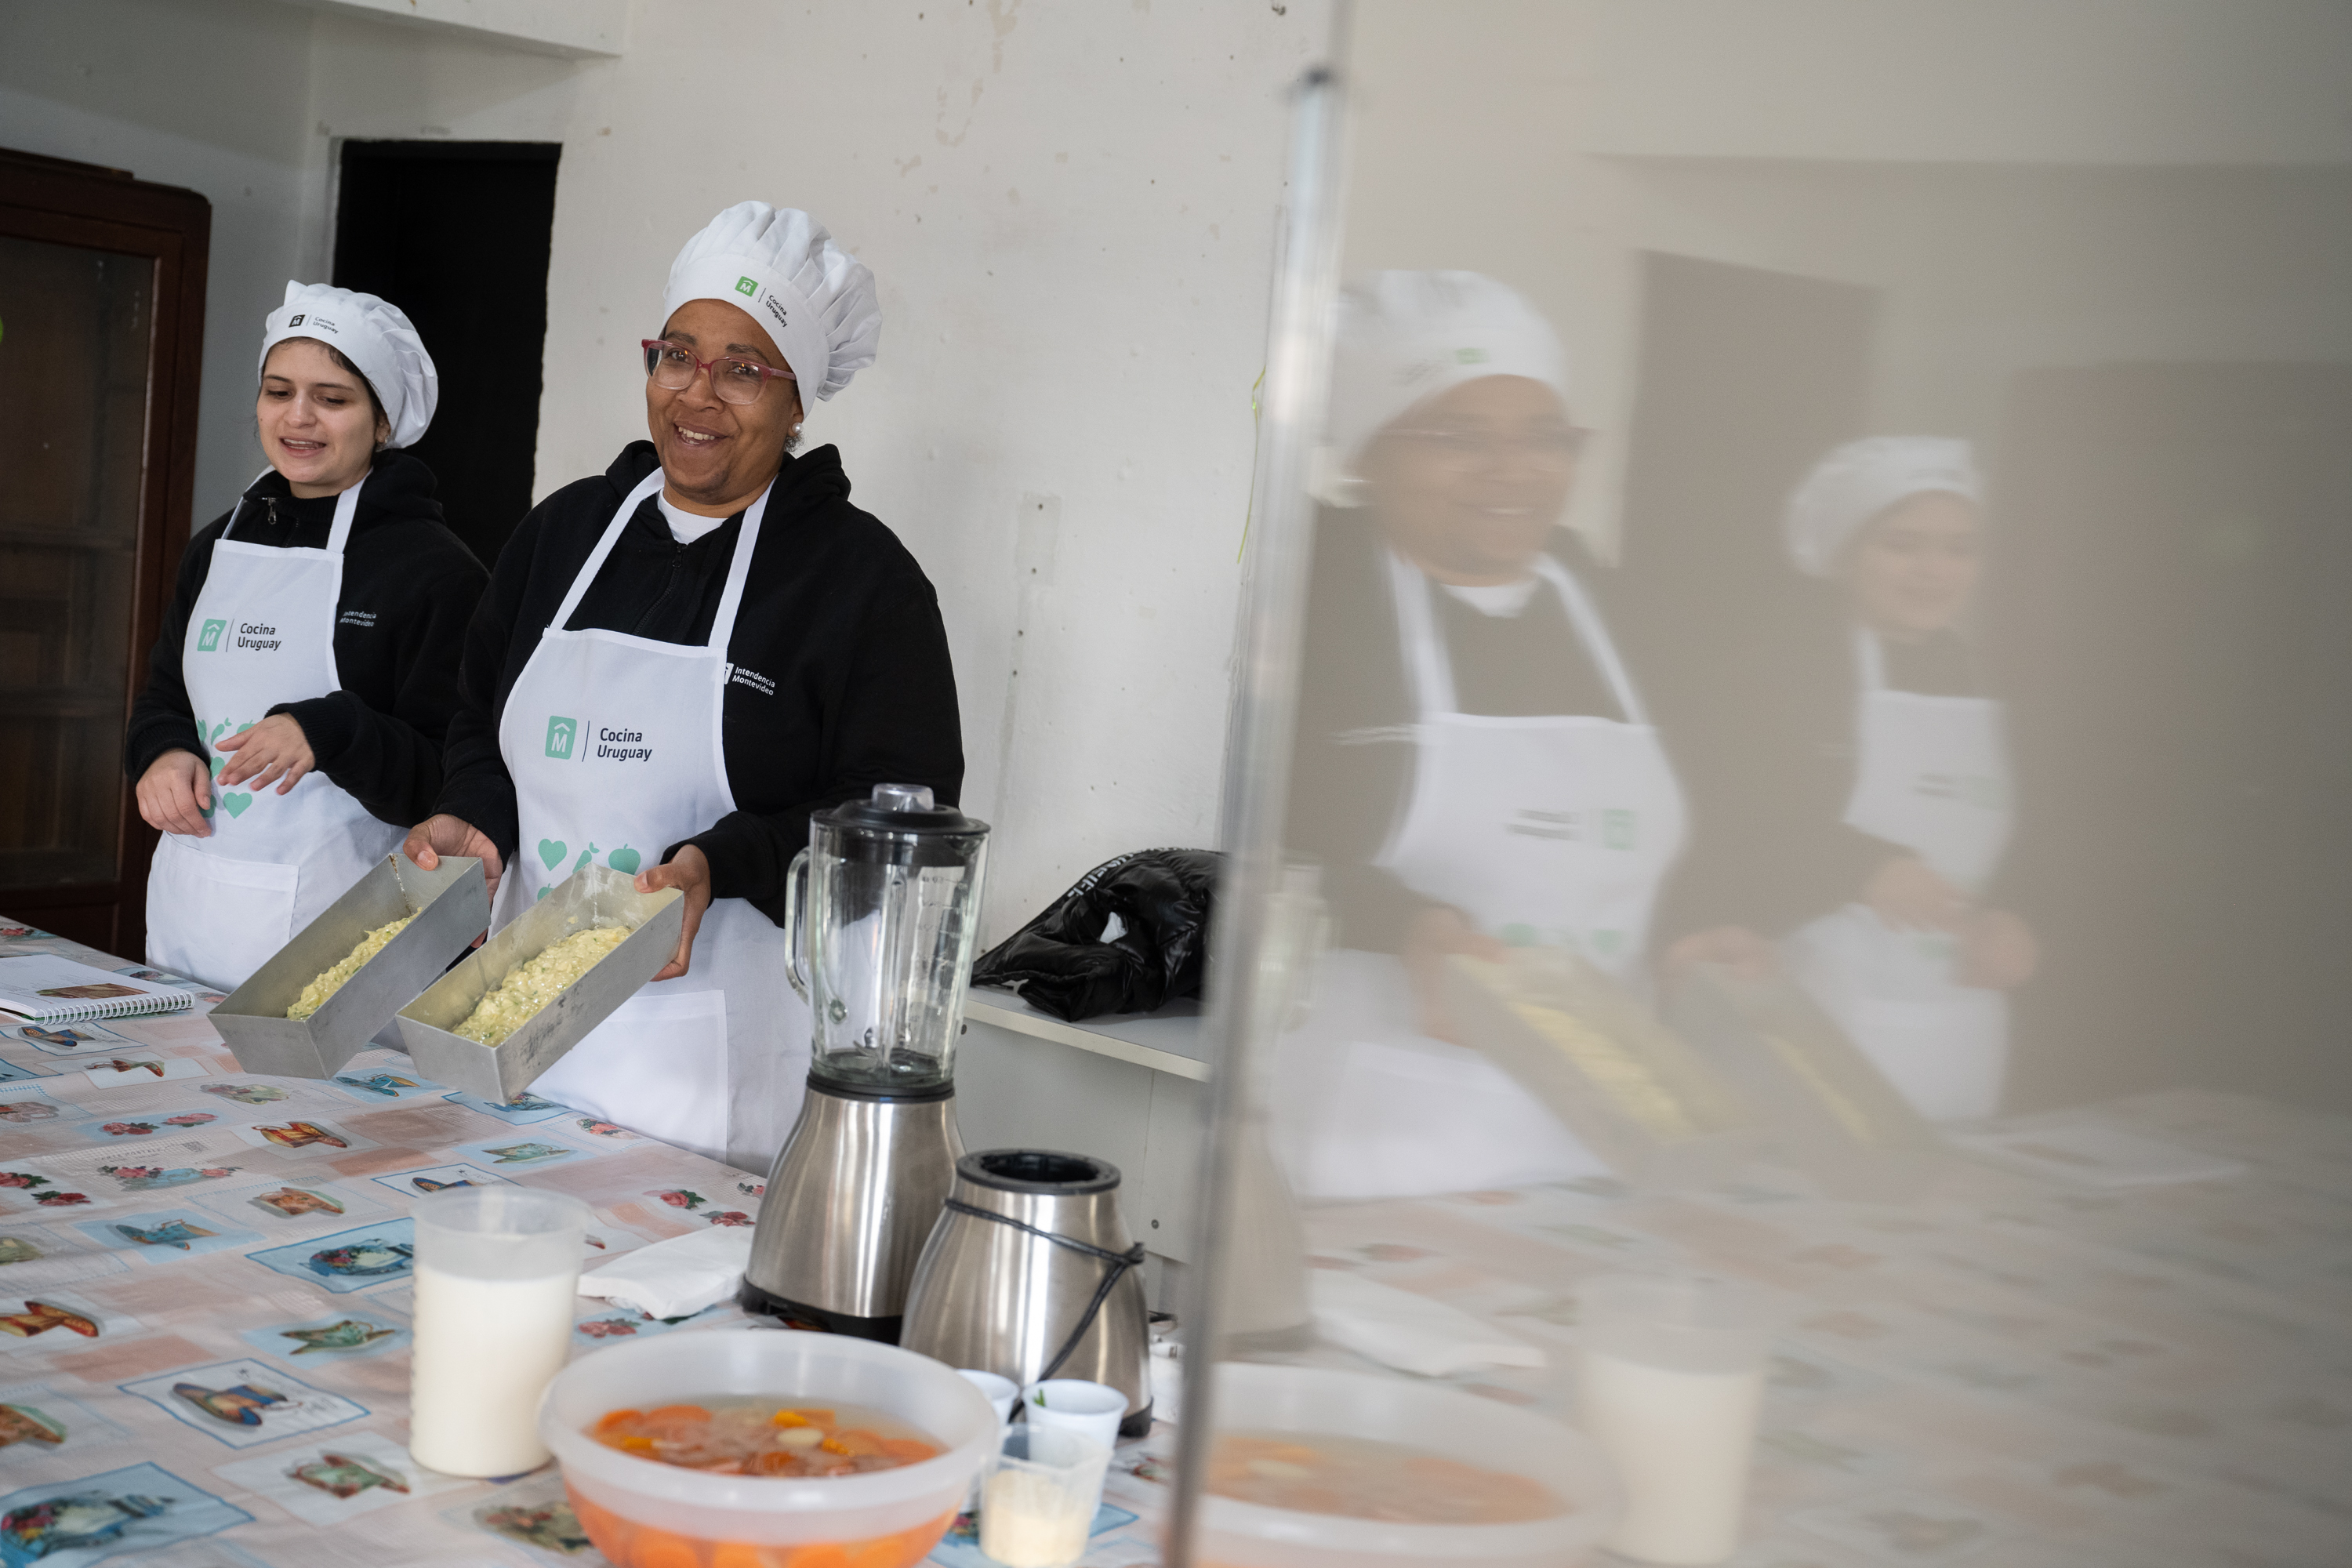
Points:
(308, 666)
(682, 658)
(1474, 768)
(1873, 802)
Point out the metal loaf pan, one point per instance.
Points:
(1830, 1111)
(592, 896)
(452, 907)
(1638, 1096)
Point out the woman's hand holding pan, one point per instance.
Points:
(689, 870)
(445, 835)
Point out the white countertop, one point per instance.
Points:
(1169, 1040)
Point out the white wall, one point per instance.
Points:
(1069, 206)
(2029, 184)
(214, 97)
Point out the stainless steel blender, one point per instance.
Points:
(880, 913)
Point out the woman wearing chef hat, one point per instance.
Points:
(1912, 961)
(1474, 768)
(681, 658)
(292, 720)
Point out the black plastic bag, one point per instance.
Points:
(1061, 964)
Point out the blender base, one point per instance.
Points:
(801, 1315)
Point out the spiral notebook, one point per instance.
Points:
(52, 990)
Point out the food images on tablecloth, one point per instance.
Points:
(679, 1197)
(301, 1134)
(350, 1334)
(389, 1085)
(293, 1203)
(537, 982)
(168, 1236)
(747, 1438)
(440, 1179)
(339, 1475)
(138, 1508)
(314, 996)
(549, 1527)
(9, 1070)
(247, 1093)
(149, 1178)
(25, 1112)
(16, 1250)
(428, 1185)
(128, 1129)
(729, 1217)
(40, 1317)
(530, 1154)
(244, 1404)
(332, 1483)
(176, 1233)
(604, 1128)
(1363, 1477)
(65, 1039)
(525, 1107)
(369, 1259)
(25, 1424)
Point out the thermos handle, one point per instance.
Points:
(795, 920)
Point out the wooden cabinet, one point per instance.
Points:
(101, 328)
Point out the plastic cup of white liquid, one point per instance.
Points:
(497, 1270)
(1670, 1377)
(1037, 1505)
(1076, 1405)
(1001, 1391)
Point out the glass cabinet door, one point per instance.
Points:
(75, 327)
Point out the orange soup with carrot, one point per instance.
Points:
(1359, 1477)
(741, 1438)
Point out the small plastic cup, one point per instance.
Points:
(497, 1273)
(1670, 1380)
(1076, 1405)
(1001, 1391)
(1037, 1506)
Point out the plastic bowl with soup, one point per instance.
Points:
(658, 1508)
(1305, 1458)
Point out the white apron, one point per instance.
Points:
(262, 633)
(1547, 829)
(615, 745)
(1933, 776)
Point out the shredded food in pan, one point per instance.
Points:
(535, 982)
(314, 996)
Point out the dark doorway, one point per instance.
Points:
(2182, 536)
(457, 235)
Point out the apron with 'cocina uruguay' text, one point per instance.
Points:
(262, 634)
(617, 751)
(1544, 830)
(1933, 777)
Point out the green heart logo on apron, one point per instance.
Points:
(552, 851)
(624, 860)
(237, 802)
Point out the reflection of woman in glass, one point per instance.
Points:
(1877, 785)
(1473, 769)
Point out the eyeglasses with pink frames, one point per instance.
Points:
(672, 367)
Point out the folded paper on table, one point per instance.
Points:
(678, 1278)
(1409, 1332)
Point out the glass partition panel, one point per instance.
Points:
(1781, 982)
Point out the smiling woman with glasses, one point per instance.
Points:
(1473, 767)
(681, 659)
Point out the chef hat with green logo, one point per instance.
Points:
(1858, 481)
(1405, 337)
(778, 265)
(373, 333)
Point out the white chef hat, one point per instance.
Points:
(374, 334)
(1404, 337)
(813, 298)
(1861, 479)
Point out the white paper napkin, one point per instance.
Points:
(1408, 1332)
(678, 1278)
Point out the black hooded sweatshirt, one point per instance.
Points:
(409, 587)
(841, 677)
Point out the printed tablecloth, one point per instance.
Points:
(204, 1293)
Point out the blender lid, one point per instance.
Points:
(902, 808)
